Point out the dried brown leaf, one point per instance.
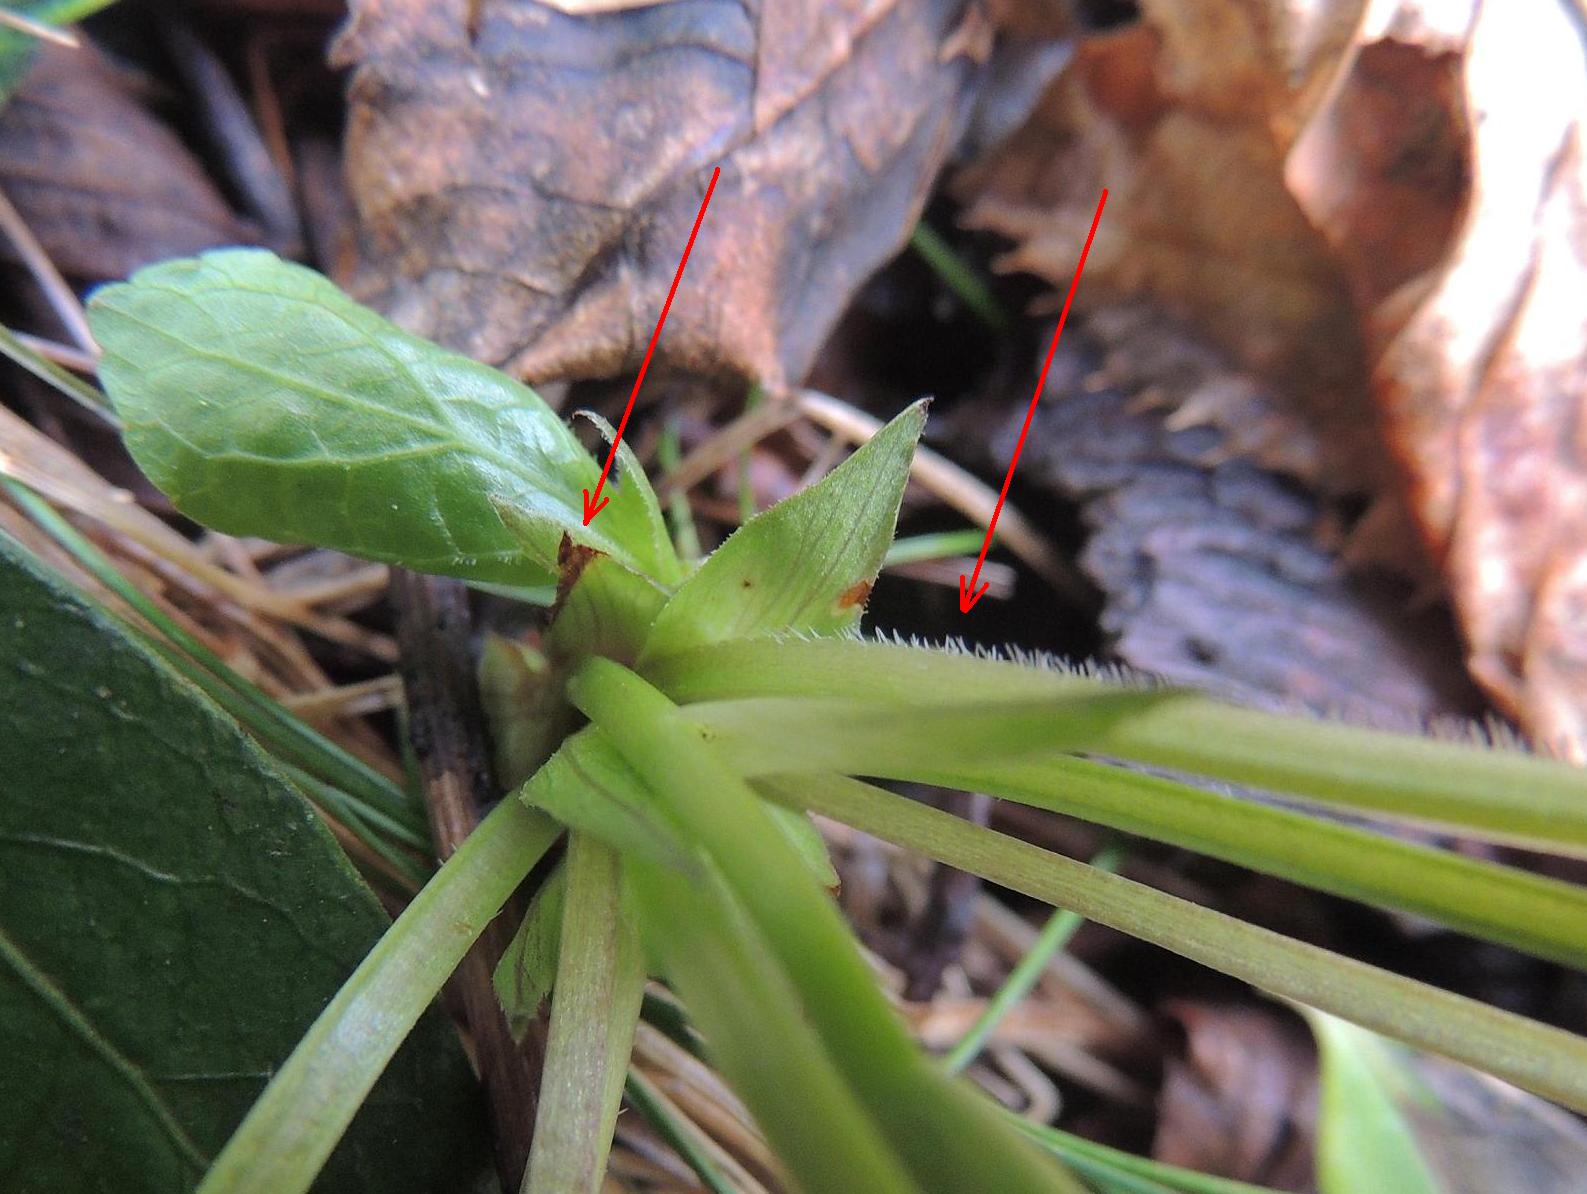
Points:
(104, 185)
(1241, 1102)
(537, 220)
(1383, 208)
(1449, 172)
(1186, 117)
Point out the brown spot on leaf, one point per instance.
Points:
(855, 596)
(572, 559)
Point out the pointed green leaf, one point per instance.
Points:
(266, 402)
(528, 969)
(634, 508)
(172, 918)
(1364, 1141)
(807, 563)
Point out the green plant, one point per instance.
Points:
(683, 719)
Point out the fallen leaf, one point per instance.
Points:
(104, 185)
(1186, 117)
(1359, 202)
(1241, 1102)
(537, 222)
(1464, 230)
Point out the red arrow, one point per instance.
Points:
(593, 505)
(969, 594)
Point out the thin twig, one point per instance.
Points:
(75, 359)
(62, 298)
(447, 729)
(23, 23)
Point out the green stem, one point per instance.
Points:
(1055, 935)
(959, 278)
(287, 1136)
(948, 1137)
(1534, 1056)
(1502, 795)
(594, 1008)
(741, 998)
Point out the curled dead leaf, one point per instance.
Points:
(1382, 207)
(536, 223)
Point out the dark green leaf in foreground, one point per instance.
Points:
(172, 918)
(266, 402)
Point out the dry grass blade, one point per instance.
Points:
(62, 298)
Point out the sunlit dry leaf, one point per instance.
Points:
(537, 222)
(1362, 203)
(1464, 226)
(104, 185)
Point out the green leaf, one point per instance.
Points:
(807, 563)
(1523, 1052)
(600, 979)
(1364, 1141)
(172, 918)
(528, 969)
(264, 401)
(623, 816)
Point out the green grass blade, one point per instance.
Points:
(1055, 935)
(594, 1008)
(681, 1136)
(960, 278)
(287, 1135)
(1541, 1059)
(947, 1136)
(1502, 795)
(987, 750)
